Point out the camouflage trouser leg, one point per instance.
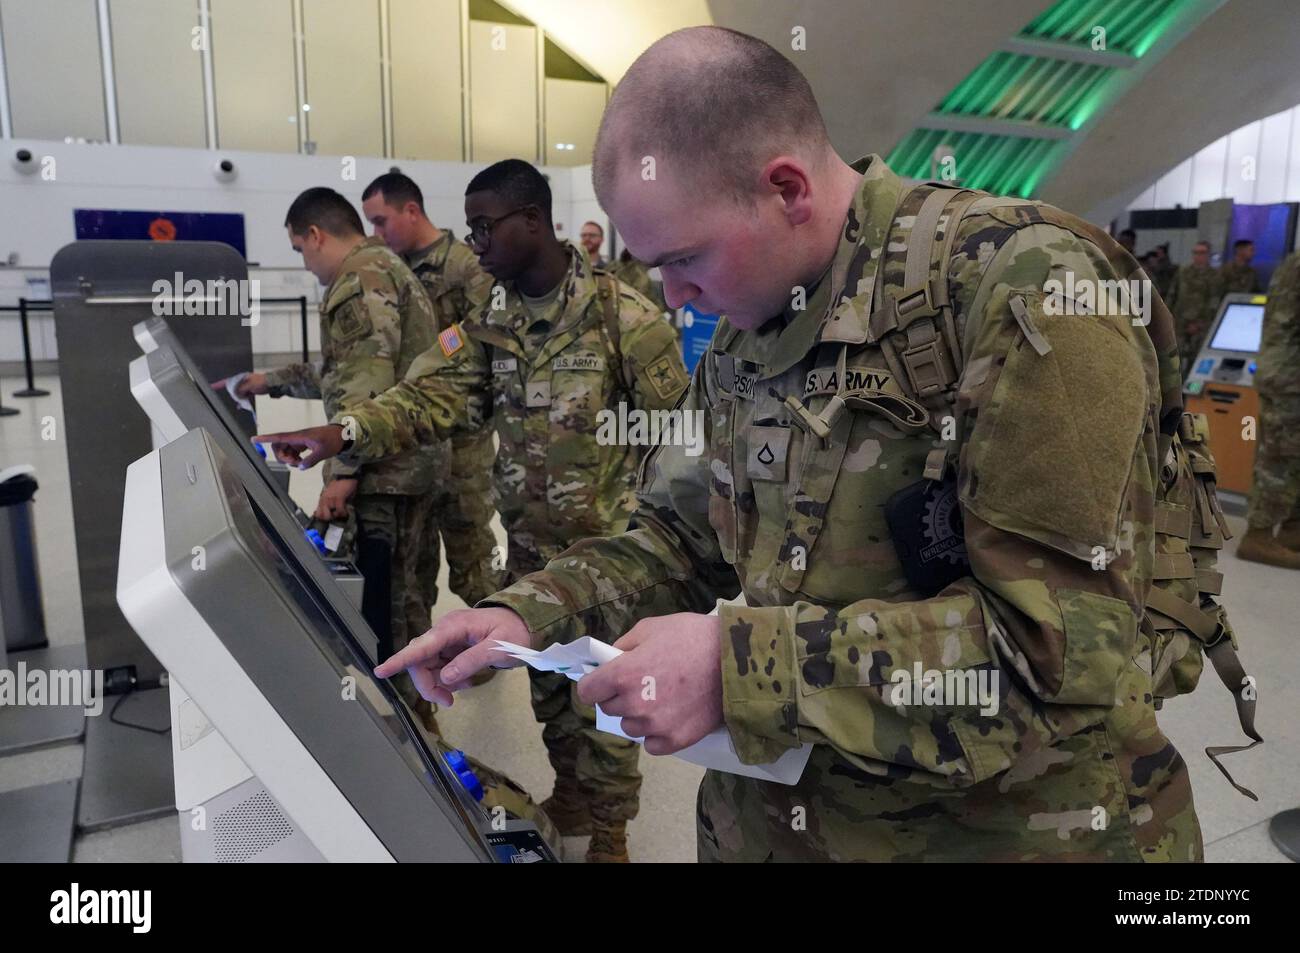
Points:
(465, 518)
(407, 524)
(1275, 495)
(604, 765)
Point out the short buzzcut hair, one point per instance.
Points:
(327, 210)
(1242, 243)
(518, 182)
(396, 189)
(710, 103)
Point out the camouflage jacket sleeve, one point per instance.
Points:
(1057, 500)
(1279, 352)
(652, 357)
(295, 380)
(667, 561)
(440, 396)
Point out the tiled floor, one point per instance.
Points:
(495, 722)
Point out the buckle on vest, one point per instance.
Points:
(929, 367)
(912, 304)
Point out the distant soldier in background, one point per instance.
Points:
(593, 237)
(457, 287)
(1194, 299)
(1238, 276)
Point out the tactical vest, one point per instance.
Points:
(915, 328)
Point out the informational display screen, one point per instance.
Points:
(1240, 328)
(225, 227)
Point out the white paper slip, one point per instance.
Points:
(715, 750)
(232, 388)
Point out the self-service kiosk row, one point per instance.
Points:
(1221, 384)
(285, 747)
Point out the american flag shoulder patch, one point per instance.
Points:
(450, 340)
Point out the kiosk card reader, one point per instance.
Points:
(285, 746)
(1221, 385)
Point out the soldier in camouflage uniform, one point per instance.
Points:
(1237, 275)
(1194, 300)
(557, 345)
(457, 287)
(1275, 495)
(1162, 271)
(636, 275)
(816, 418)
(374, 321)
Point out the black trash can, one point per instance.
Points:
(22, 619)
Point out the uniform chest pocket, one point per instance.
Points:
(580, 389)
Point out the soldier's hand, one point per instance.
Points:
(459, 645)
(305, 448)
(252, 385)
(333, 502)
(667, 684)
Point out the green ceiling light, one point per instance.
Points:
(1008, 165)
(1132, 26)
(1009, 120)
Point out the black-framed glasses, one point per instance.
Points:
(480, 230)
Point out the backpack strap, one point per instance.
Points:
(607, 291)
(915, 327)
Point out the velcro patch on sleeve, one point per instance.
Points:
(666, 377)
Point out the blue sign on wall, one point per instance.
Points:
(225, 227)
(697, 332)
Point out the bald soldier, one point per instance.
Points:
(558, 348)
(875, 556)
(457, 287)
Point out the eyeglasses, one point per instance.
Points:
(480, 230)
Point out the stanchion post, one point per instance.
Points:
(31, 390)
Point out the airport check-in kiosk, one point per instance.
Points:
(298, 752)
(1221, 385)
(177, 396)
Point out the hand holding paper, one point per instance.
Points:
(666, 688)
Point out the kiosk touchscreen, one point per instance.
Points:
(1221, 385)
(300, 753)
(177, 398)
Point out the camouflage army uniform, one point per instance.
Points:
(1162, 276)
(1276, 491)
(636, 275)
(544, 381)
(1239, 279)
(374, 321)
(1194, 300)
(1072, 765)
(458, 287)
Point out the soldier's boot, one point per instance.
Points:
(608, 843)
(1289, 535)
(1259, 546)
(567, 808)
